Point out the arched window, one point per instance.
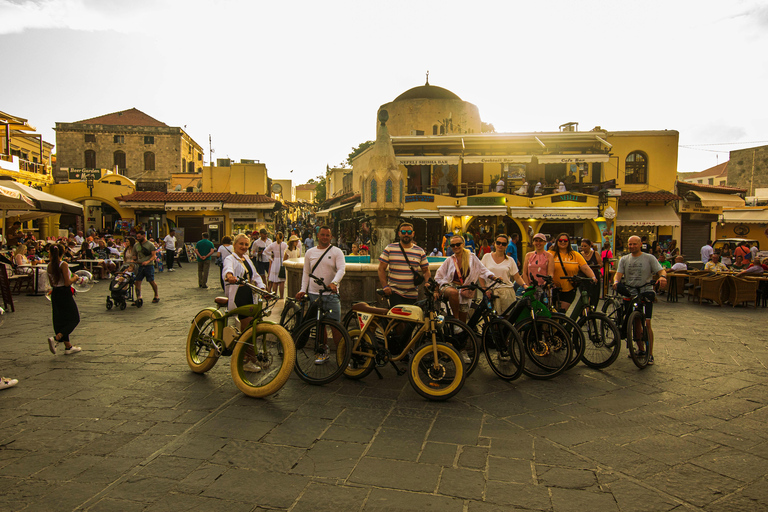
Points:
(90, 159)
(119, 161)
(149, 161)
(636, 168)
(442, 129)
(374, 186)
(388, 191)
(434, 129)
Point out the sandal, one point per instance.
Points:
(156, 300)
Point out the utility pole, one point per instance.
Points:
(210, 151)
(752, 179)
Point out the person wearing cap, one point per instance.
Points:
(436, 252)
(294, 248)
(538, 262)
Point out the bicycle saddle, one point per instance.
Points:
(221, 301)
(362, 307)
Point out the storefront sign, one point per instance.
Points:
(249, 216)
(741, 229)
(696, 207)
(428, 160)
(486, 201)
(211, 220)
(81, 174)
(419, 199)
(569, 197)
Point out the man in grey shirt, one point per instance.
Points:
(637, 268)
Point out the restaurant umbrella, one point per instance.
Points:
(11, 199)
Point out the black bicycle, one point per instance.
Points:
(323, 346)
(627, 312)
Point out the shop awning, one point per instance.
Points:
(575, 213)
(249, 206)
(498, 159)
(44, 201)
(571, 159)
(714, 199)
(746, 216)
(428, 160)
(192, 207)
(647, 216)
(476, 211)
(422, 213)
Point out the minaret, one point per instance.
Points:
(382, 188)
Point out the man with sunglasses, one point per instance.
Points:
(397, 265)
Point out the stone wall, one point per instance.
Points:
(740, 172)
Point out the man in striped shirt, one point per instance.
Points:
(395, 273)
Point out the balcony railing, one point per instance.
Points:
(14, 163)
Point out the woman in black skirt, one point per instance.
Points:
(65, 313)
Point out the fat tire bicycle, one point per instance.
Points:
(267, 346)
(323, 345)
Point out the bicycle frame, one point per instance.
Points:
(368, 321)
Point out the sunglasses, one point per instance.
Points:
(498, 242)
(406, 232)
(455, 245)
(563, 240)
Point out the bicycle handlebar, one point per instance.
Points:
(263, 293)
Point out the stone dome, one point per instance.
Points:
(428, 92)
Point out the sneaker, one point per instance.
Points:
(250, 366)
(650, 360)
(465, 357)
(321, 358)
(52, 344)
(72, 350)
(7, 383)
(171, 270)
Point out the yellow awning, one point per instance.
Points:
(647, 216)
(715, 199)
(746, 216)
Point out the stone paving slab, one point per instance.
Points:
(125, 426)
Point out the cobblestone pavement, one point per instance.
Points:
(125, 426)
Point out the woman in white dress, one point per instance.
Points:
(276, 252)
(505, 268)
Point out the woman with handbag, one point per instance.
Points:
(276, 252)
(462, 268)
(567, 263)
(505, 268)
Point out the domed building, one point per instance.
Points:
(431, 110)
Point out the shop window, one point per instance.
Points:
(149, 161)
(597, 172)
(119, 161)
(90, 159)
(472, 174)
(119, 139)
(636, 168)
(90, 137)
(388, 191)
(374, 186)
(149, 139)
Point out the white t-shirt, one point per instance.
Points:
(330, 270)
(170, 242)
(505, 270)
(260, 244)
(678, 266)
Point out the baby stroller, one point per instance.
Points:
(121, 289)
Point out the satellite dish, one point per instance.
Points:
(277, 188)
(178, 188)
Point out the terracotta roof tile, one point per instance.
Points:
(684, 186)
(195, 197)
(130, 117)
(718, 170)
(648, 197)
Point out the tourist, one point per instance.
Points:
(276, 253)
(538, 262)
(672, 251)
(567, 262)
(400, 264)
(170, 249)
(595, 262)
(739, 263)
(355, 249)
(606, 255)
(294, 249)
(436, 252)
(726, 255)
(505, 268)
(484, 248)
(146, 253)
(15, 236)
(257, 254)
(461, 269)
(204, 250)
(714, 264)
(222, 253)
(679, 265)
(106, 265)
(754, 269)
(469, 243)
(511, 249)
(63, 307)
(706, 251)
(663, 261)
(500, 185)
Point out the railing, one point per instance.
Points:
(25, 165)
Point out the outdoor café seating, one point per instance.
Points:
(711, 288)
(742, 290)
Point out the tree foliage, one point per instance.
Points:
(319, 188)
(359, 149)
(487, 128)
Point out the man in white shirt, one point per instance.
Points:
(706, 252)
(258, 256)
(170, 249)
(326, 262)
(79, 238)
(679, 265)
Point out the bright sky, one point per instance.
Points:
(297, 84)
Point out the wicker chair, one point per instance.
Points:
(743, 290)
(712, 289)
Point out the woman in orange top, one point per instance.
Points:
(567, 262)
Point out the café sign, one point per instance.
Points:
(487, 201)
(419, 199)
(696, 207)
(569, 197)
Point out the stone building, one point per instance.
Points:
(130, 142)
(748, 169)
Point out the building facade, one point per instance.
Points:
(24, 155)
(131, 143)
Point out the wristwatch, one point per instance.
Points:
(335, 283)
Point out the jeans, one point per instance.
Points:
(331, 303)
(202, 272)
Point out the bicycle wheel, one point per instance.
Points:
(262, 367)
(350, 321)
(547, 348)
(291, 318)
(602, 341)
(201, 353)
(576, 335)
(436, 380)
(463, 339)
(612, 309)
(637, 332)
(503, 349)
(362, 361)
(323, 349)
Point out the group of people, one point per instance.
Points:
(741, 258)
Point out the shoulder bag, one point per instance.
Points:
(418, 278)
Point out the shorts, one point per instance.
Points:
(147, 271)
(262, 267)
(566, 296)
